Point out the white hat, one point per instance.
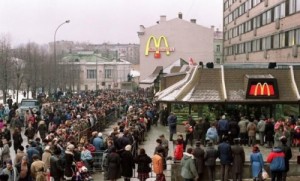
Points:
(70, 147)
(100, 134)
(223, 117)
(128, 147)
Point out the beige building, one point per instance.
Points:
(218, 46)
(89, 71)
(261, 31)
(170, 40)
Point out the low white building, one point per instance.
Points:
(90, 71)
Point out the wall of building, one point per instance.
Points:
(188, 39)
(290, 52)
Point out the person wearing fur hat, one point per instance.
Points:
(127, 163)
(188, 168)
(11, 171)
(69, 159)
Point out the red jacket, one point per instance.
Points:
(178, 152)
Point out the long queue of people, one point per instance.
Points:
(63, 136)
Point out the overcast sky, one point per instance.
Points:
(97, 21)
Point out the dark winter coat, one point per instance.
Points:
(172, 122)
(56, 167)
(69, 168)
(225, 154)
(238, 156)
(30, 132)
(127, 164)
(143, 162)
(269, 132)
(199, 159)
(287, 156)
(113, 166)
(18, 140)
(211, 154)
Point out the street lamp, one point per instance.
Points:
(54, 49)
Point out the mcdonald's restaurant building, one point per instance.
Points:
(234, 90)
(168, 41)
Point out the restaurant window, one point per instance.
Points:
(291, 37)
(181, 111)
(276, 41)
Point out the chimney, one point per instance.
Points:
(142, 28)
(193, 21)
(163, 18)
(180, 15)
(212, 27)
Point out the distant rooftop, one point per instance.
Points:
(90, 57)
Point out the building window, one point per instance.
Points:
(108, 73)
(282, 40)
(91, 74)
(294, 6)
(218, 48)
(276, 41)
(291, 38)
(218, 60)
(269, 16)
(282, 10)
(298, 36)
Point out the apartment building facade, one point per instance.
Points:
(261, 31)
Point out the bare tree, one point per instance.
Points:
(6, 65)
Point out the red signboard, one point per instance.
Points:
(262, 88)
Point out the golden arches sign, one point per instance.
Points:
(262, 88)
(157, 49)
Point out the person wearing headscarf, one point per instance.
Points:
(127, 163)
(69, 159)
(257, 163)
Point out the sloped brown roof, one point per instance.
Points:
(208, 87)
(236, 88)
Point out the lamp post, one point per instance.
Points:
(54, 49)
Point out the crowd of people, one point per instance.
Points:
(61, 139)
(225, 139)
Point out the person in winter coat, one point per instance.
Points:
(172, 122)
(19, 156)
(257, 163)
(165, 144)
(143, 161)
(42, 128)
(86, 157)
(210, 156)
(199, 160)
(17, 138)
(127, 163)
(5, 152)
(188, 167)
(269, 133)
(277, 163)
(178, 151)
(98, 142)
(11, 171)
(223, 127)
(225, 156)
(212, 133)
(238, 160)
(29, 132)
(234, 130)
(69, 160)
(158, 164)
(37, 169)
(261, 127)
(23, 169)
(243, 130)
(287, 156)
(113, 165)
(56, 166)
(46, 157)
(251, 128)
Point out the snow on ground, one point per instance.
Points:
(14, 96)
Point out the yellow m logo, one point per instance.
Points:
(262, 88)
(157, 44)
